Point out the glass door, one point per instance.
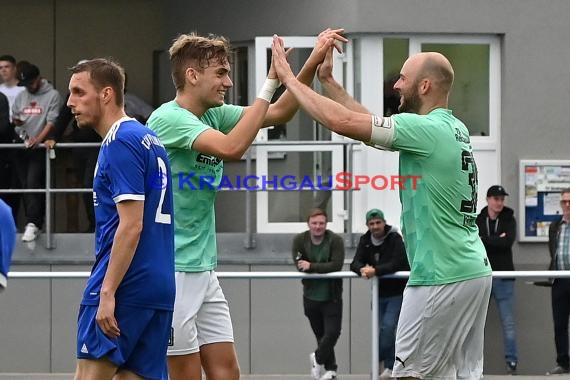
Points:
(475, 97)
(297, 161)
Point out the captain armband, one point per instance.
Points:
(268, 89)
(382, 136)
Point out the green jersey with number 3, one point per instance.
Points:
(438, 216)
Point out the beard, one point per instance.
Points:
(410, 103)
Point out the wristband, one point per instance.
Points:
(268, 89)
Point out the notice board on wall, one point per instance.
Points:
(540, 184)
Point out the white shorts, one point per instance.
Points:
(201, 313)
(441, 330)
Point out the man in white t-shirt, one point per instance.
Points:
(9, 87)
(8, 77)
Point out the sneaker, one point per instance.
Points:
(316, 369)
(386, 374)
(30, 233)
(512, 368)
(558, 370)
(329, 375)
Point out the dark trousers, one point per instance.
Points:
(30, 168)
(561, 314)
(8, 180)
(326, 321)
(85, 160)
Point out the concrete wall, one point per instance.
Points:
(38, 324)
(56, 34)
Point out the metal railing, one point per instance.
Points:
(374, 365)
(48, 190)
(249, 242)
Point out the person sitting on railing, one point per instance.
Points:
(319, 250)
(34, 113)
(381, 251)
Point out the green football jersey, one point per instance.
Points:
(438, 216)
(196, 177)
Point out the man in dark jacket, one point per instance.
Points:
(6, 155)
(497, 229)
(559, 249)
(319, 250)
(381, 251)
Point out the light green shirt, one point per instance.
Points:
(194, 216)
(438, 217)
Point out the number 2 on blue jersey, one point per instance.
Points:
(160, 216)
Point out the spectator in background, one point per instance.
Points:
(5, 130)
(381, 251)
(7, 241)
(6, 133)
(136, 107)
(559, 249)
(497, 229)
(83, 159)
(8, 77)
(9, 87)
(34, 113)
(319, 250)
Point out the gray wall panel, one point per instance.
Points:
(67, 294)
(359, 309)
(237, 292)
(25, 323)
(272, 335)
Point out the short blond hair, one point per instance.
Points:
(196, 51)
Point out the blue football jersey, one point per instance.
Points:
(133, 165)
(7, 241)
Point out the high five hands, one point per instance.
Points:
(327, 40)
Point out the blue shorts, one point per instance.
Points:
(141, 347)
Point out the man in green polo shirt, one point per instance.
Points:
(199, 132)
(441, 326)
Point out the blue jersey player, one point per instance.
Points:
(126, 312)
(7, 241)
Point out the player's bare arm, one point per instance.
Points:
(332, 115)
(333, 89)
(233, 145)
(122, 253)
